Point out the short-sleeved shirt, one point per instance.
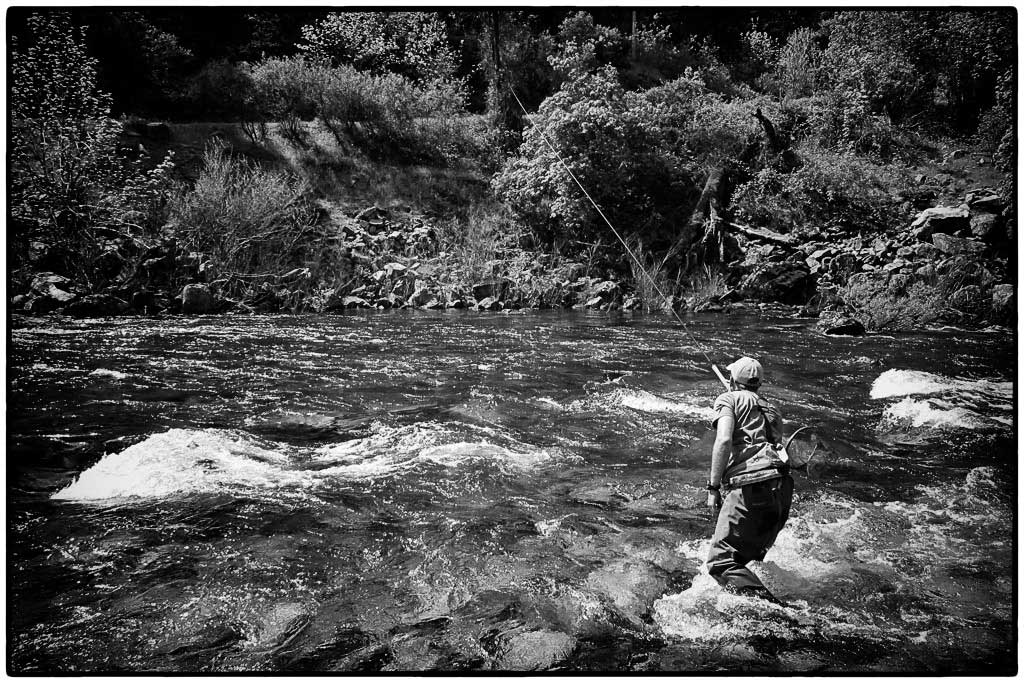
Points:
(750, 432)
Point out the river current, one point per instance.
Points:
(458, 491)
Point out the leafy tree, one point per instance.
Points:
(515, 59)
(68, 181)
(913, 62)
(642, 155)
(584, 46)
(798, 64)
(412, 44)
(142, 65)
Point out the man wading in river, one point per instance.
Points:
(749, 486)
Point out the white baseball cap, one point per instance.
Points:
(746, 372)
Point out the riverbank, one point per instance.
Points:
(385, 236)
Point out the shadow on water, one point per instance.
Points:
(515, 492)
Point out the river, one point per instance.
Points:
(454, 491)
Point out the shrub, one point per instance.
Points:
(835, 188)
(798, 64)
(383, 112)
(223, 90)
(69, 182)
(479, 245)
(642, 156)
(957, 291)
(286, 90)
(652, 287)
(882, 305)
(706, 286)
(759, 53)
(248, 220)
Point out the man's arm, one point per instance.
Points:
(720, 457)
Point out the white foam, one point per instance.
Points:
(649, 403)
(103, 372)
(706, 613)
(455, 454)
(391, 449)
(184, 461)
(910, 382)
(925, 413)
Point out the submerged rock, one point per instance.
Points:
(535, 650)
(631, 585)
(279, 624)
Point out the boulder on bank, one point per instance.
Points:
(948, 244)
(96, 306)
(48, 293)
(489, 304)
(354, 302)
(787, 283)
(197, 298)
(52, 285)
(985, 199)
(488, 289)
(940, 219)
(988, 227)
(1004, 308)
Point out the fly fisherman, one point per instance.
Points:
(750, 485)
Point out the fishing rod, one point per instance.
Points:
(625, 246)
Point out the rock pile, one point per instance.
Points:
(973, 240)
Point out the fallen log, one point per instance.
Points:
(763, 234)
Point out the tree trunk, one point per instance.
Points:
(774, 143)
(496, 42)
(711, 207)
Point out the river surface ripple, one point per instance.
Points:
(519, 491)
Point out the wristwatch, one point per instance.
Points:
(716, 487)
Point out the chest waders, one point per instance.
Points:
(755, 507)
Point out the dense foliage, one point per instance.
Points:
(72, 187)
(642, 155)
(685, 126)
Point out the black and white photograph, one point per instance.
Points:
(511, 340)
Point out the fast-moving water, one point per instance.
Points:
(441, 491)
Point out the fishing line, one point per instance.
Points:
(625, 246)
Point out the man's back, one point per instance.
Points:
(751, 415)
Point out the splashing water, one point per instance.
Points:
(468, 492)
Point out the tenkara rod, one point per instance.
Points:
(625, 246)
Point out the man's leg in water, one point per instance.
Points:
(750, 519)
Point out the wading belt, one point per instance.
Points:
(739, 480)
